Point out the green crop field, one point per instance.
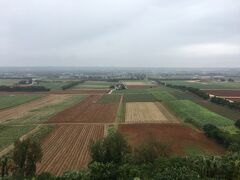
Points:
(163, 96)
(196, 114)
(53, 85)
(95, 85)
(206, 85)
(9, 134)
(7, 101)
(8, 82)
(44, 113)
(109, 98)
(132, 91)
(139, 98)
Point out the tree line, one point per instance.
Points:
(24, 88)
(72, 84)
(204, 95)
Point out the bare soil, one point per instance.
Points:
(88, 111)
(175, 136)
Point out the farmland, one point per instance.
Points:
(9, 134)
(176, 136)
(7, 101)
(206, 84)
(66, 148)
(70, 120)
(146, 112)
(94, 85)
(109, 98)
(24, 109)
(53, 85)
(88, 111)
(42, 114)
(196, 114)
(8, 82)
(139, 98)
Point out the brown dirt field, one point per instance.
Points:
(87, 111)
(137, 112)
(227, 93)
(175, 136)
(22, 110)
(67, 148)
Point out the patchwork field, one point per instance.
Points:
(180, 138)
(139, 98)
(94, 85)
(8, 82)
(53, 85)
(42, 114)
(67, 148)
(224, 93)
(23, 109)
(139, 112)
(7, 101)
(9, 134)
(109, 98)
(88, 111)
(137, 83)
(206, 84)
(196, 114)
(86, 91)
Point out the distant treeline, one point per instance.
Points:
(196, 91)
(72, 84)
(23, 89)
(204, 95)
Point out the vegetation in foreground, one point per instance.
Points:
(113, 158)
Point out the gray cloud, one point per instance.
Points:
(120, 33)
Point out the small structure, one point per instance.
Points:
(120, 86)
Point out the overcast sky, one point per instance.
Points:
(152, 33)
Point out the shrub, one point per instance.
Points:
(237, 123)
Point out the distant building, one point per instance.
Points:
(120, 86)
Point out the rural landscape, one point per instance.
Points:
(119, 90)
(187, 117)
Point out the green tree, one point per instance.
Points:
(112, 148)
(237, 123)
(26, 154)
(150, 150)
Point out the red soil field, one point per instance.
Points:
(88, 111)
(175, 136)
(227, 93)
(67, 148)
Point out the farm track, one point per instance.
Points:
(87, 111)
(66, 148)
(24, 109)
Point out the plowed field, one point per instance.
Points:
(23, 109)
(176, 136)
(88, 111)
(227, 93)
(67, 148)
(137, 112)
